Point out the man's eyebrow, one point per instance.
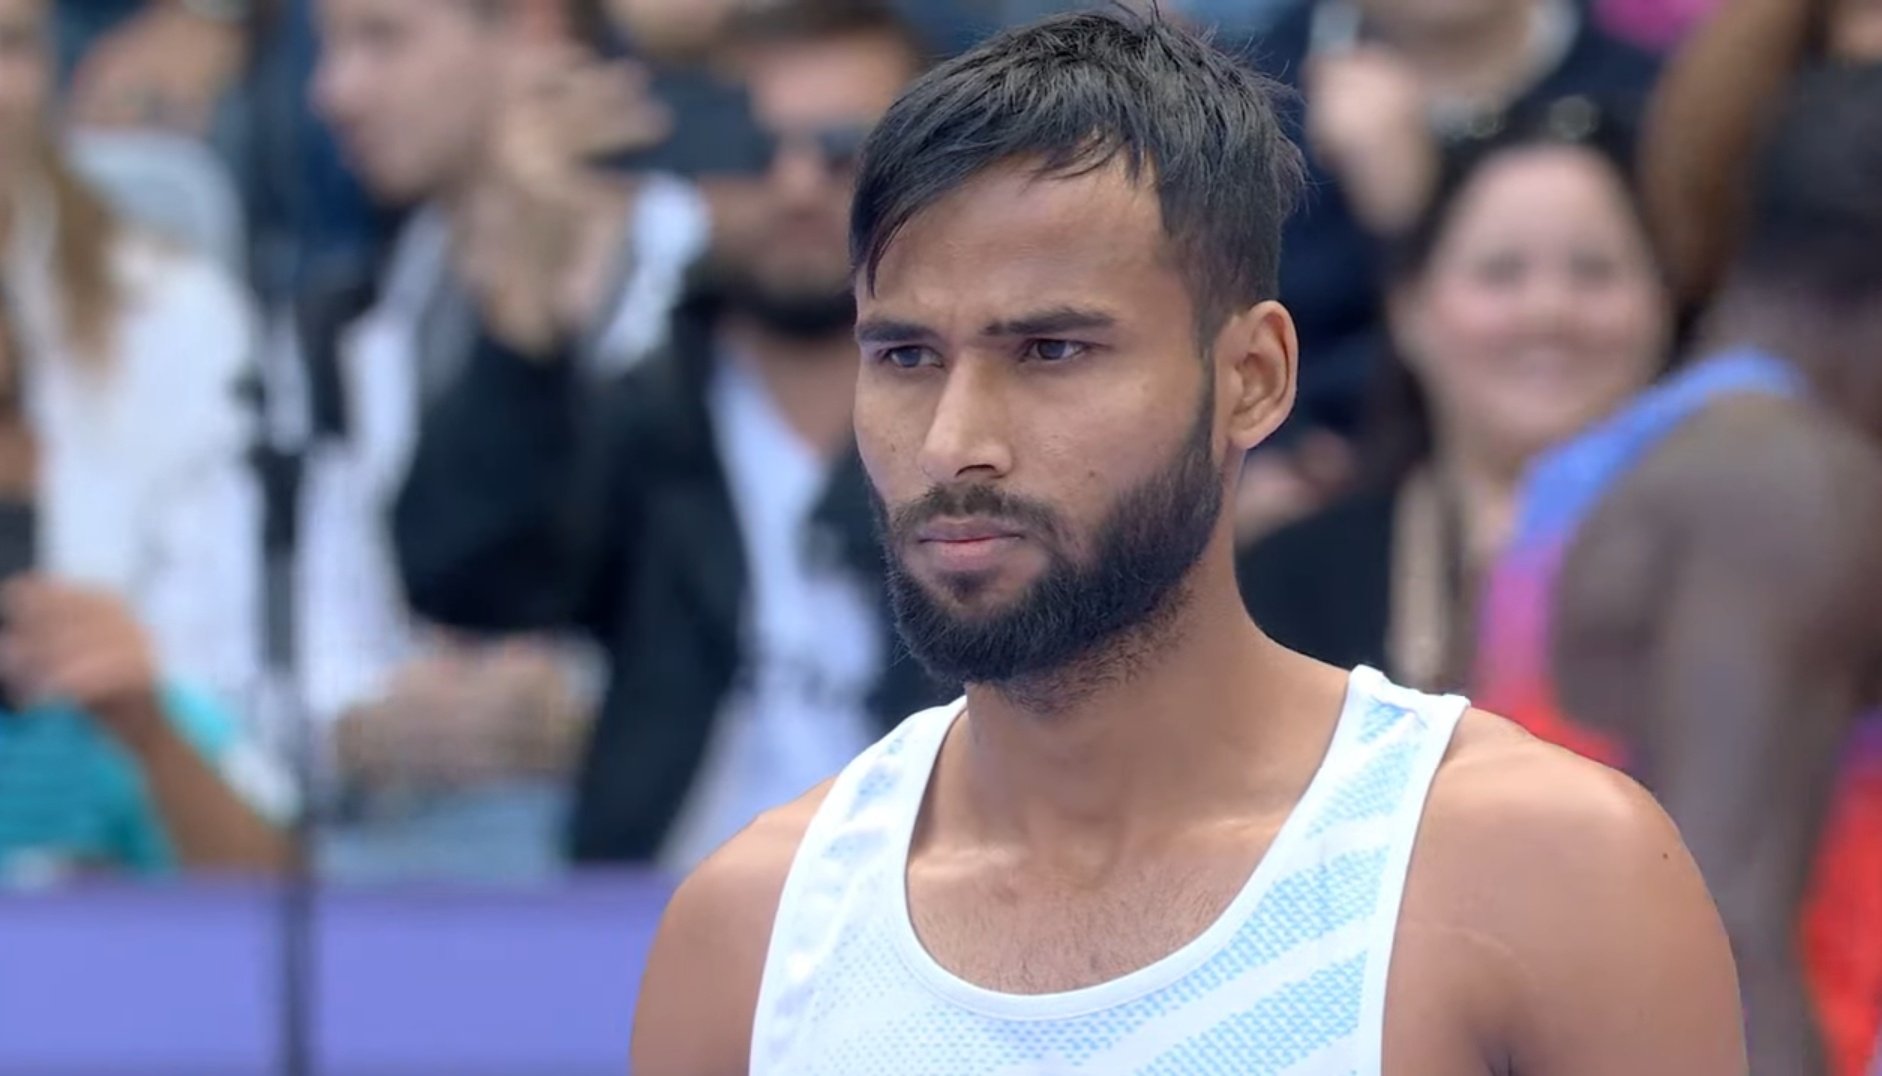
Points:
(891, 331)
(1059, 320)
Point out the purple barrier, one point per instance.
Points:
(187, 979)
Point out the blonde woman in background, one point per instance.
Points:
(128, 628)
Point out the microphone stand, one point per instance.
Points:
(277, 455)
(280, 472)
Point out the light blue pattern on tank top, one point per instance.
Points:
(1289, 980)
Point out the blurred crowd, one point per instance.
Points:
(326, 541)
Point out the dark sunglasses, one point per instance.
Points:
(837, 147)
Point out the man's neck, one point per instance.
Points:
(811, 382)
(1211, 722)
(1485, 63)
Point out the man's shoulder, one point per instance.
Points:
(1747, 472)
(1541, 820)
(1768, 445)
(1557, 896)
(741, 883)
(707, 965)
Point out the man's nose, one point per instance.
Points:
(967, 435)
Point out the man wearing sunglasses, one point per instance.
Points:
(720, 547)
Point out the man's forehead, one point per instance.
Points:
(1014, 224)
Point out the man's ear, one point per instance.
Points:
(1258, 363)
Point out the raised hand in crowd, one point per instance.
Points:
(1368, 123)
(1712, 110)
(166, 67)
(69, 644)
(523, 250)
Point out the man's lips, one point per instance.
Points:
(966, 531)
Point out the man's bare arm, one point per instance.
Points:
(1705, 122)
(1602, 950)
(700, 991)
(1760, 655)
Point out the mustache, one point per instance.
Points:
(974, 501)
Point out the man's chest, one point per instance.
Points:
(1163, 977)
(1441, 1011)
(1023, 928)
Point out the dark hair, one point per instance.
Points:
(1569, 121)
(1398, 428)
(1815, 222)
(787, 22)
(1074, 92)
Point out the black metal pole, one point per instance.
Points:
(277, 463)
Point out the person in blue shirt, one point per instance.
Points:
(103, 766)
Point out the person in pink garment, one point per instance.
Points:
(1653, 24)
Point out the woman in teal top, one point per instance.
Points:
(102, 767)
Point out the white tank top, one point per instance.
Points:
(1290, 979)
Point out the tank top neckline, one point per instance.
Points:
(1363, 686)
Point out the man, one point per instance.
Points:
(731, 573)
(416, 89)
(1150, 840)
(1694, 585)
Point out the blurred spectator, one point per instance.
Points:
(103, 767)
(133, 353)
(127, 502)
(1694, 589)
(1383, 82)
(734, 575)
(312, 216)
(451, 754)
(150, 115)
(1526, 304)
(1712, 110)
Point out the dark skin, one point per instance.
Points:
(1597, 951)
(1719, 611)
(1712, 108)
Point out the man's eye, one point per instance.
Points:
(1054, 350)
(908, 357)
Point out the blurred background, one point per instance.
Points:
(367, 685)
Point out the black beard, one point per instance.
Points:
(794, 315)
(1078, 626)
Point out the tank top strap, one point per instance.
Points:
(848, 860)
(1566, 483)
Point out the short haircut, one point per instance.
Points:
(1076, 92)
(790, 22)
(1815, 223)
